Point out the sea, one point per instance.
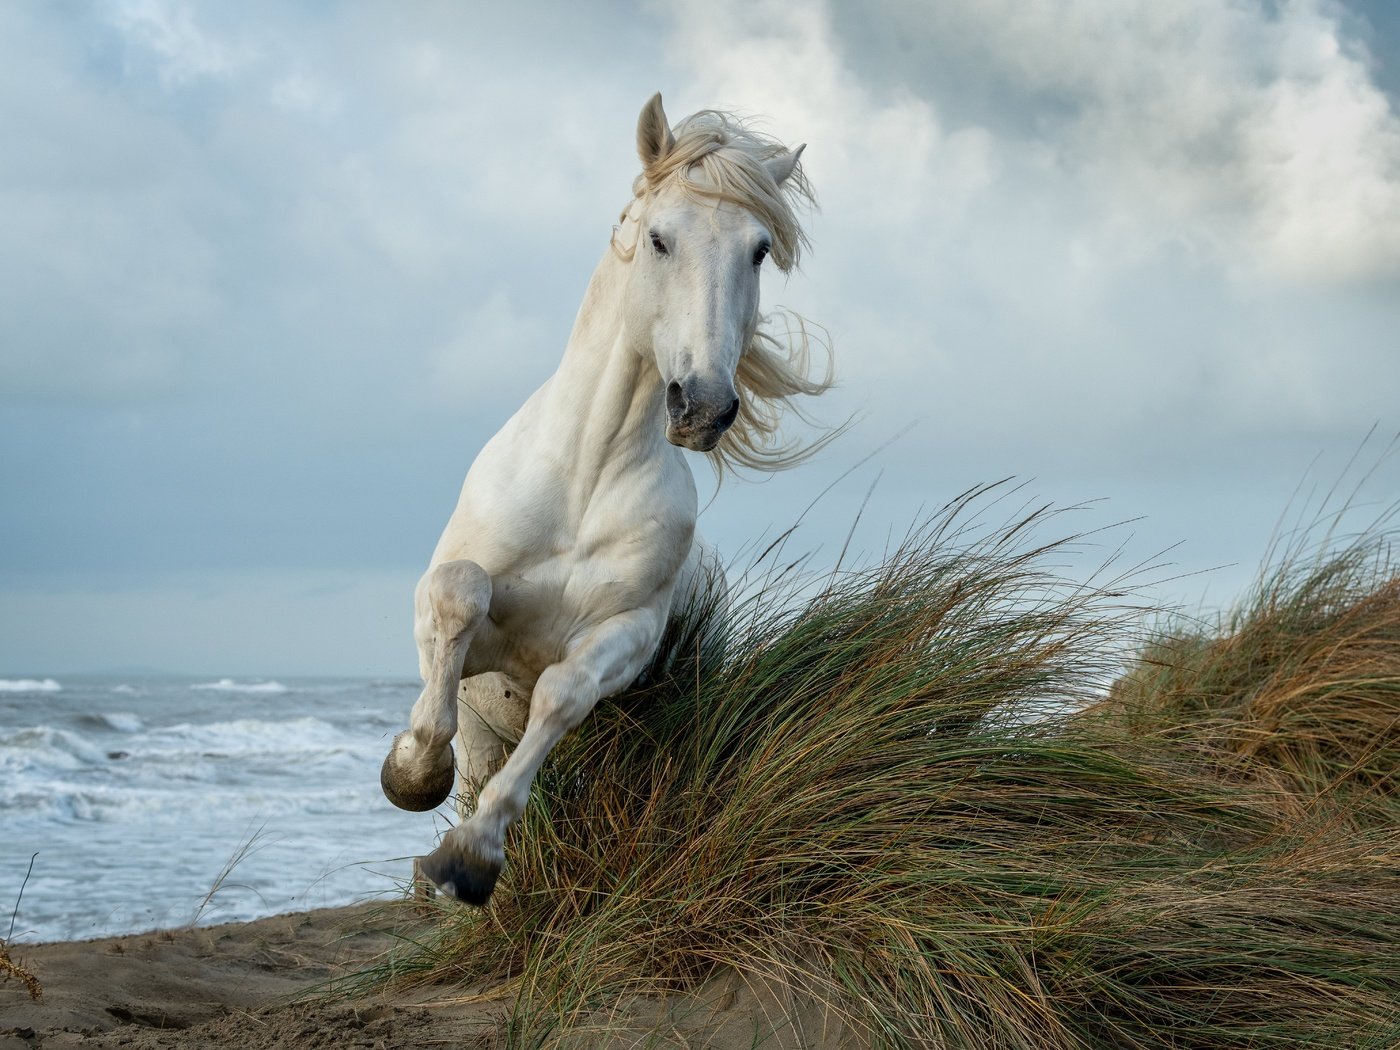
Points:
(130, 803)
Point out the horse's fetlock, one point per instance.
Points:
(432, 743)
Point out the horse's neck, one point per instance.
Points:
(604, 402)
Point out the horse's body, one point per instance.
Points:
(574, 536)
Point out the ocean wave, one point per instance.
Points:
(228, 685)
(121, 721)
(44, 747)
(124, 688)
(150, 804)
(303, 737)
(187, 752)
(29, 685)
(241, 767)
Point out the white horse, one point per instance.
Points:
(574, 536)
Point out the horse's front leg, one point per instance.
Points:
(452, 602)
(605, 660)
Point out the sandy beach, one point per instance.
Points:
(253, 985)
(232, 985)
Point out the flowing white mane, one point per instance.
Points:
(716, 157)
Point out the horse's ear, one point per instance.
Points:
(654, 138)
(784, 164)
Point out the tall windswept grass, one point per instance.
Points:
(1298, 686)
(844, 801)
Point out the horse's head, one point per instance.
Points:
(700, 240)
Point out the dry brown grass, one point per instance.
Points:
(9, 968)
(1298, 688)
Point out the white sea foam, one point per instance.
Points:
(228, 685)
(45, 748)
(158, 785)
(184, 753)
(148, 801)
(183, 772)
(124, 688)
(29, 685)
(121, 721)
(251, 736)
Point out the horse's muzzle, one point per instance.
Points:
(695, 418)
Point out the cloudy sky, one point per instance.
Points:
(270, 274)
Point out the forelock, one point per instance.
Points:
(716, 157)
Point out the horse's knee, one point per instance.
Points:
(459, 595)
(563, 697)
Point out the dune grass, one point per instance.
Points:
(845, 801)
(1298, 687)
(8, 967)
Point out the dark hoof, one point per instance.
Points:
(407, 794)
(469, 880)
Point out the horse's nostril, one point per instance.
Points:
(675, 400)
(730, 414)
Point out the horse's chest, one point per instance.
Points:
(536, 614)
(564, 558)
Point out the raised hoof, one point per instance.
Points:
(470, 881)
(408, 794)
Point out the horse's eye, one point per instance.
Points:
(658, 245)
(760, 255)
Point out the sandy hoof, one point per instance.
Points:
(416, 793)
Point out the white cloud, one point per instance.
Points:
(1249, 131)
(1152, 190)
(886, 160)
(183, 50)
(1325, 157)
(106, 257)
